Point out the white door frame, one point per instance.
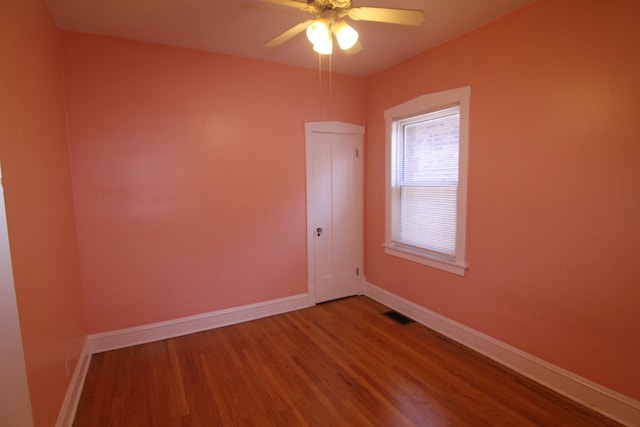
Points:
(329, 127)
(15, 402)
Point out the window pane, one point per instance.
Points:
(426, 195)
(426, 181)
(430, 151)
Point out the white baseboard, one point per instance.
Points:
(608, 402)
(72, 398)
(187, 325)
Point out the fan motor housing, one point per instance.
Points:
(330, 4)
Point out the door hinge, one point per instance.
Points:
(357, 153)
(357, 271)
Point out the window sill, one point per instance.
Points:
(431, 261)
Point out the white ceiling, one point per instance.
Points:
(240, 27)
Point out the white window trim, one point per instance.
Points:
(420, 105)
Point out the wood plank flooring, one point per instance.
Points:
(340, 363)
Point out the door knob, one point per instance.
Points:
(319, 231)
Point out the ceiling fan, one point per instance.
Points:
(329, 19)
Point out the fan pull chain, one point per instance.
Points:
(320, 73)
(320, 86)
(330, 69)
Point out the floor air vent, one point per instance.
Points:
(400, 318)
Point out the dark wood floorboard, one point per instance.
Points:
(341, 363)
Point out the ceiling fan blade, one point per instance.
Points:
(390, 16)
(290, 33)
(289, 3)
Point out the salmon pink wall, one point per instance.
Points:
(554, 185)
(39, 205)
(189, 176)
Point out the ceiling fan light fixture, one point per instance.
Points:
(324, 47)
(346, 35)
(318, 31)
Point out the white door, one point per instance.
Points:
(15, 403)
(334, 209)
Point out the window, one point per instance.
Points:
(427, 145)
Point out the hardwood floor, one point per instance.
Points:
(336, 364)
